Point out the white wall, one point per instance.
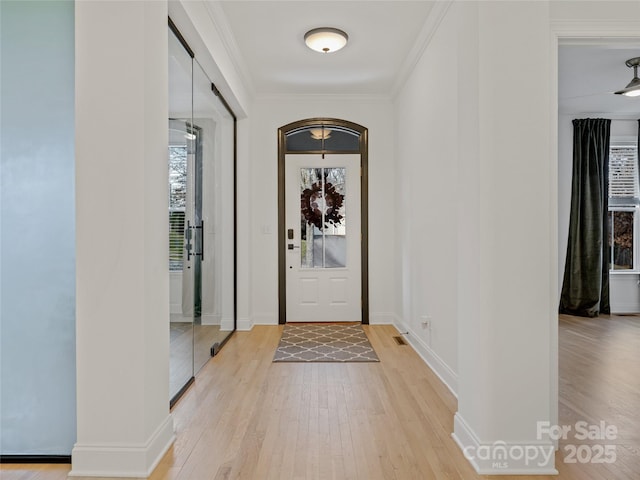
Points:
(624, 293)
(122, 294)
(459, 118)
(427, 139)
(217, 214)
(267, 115)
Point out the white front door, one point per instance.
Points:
(323, 238)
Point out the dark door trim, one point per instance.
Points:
(364, 205)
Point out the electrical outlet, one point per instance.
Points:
(425, 320)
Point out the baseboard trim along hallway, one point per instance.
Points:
(136, 461)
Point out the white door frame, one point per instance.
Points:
(566, 32)
(364, 205)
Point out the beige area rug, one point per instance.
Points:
(322, 342)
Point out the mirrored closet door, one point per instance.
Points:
(201, 218)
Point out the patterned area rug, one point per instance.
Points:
(318, 342)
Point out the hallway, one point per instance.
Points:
(249, 418)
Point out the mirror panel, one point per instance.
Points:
(182, 145)
(215, 148)
(201, 183)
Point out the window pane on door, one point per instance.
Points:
(319, 138)
(322, 217)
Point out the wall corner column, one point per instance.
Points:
(505, 330)
(122, 294)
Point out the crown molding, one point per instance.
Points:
(221, 24)
(202, 32)
(436, 15)
(323, 98)
(581, 32)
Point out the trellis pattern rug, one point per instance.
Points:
(321, 342)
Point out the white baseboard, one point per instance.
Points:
(264, 319)
(134, 460)
(625, 308)
(431, 358)
(534, 457)
(226, 324)
(211, 319)
(244, 324)
(382, 318)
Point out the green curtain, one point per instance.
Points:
(585, 289)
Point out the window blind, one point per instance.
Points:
(176, 239)
(623, 172)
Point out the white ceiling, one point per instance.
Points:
(589, 74)
(268, 37)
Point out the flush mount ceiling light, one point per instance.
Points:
(633, 89)
(325, 39)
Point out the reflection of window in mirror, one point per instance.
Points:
(180, 146)
(201, 196)
(624, 203)
(177, 203)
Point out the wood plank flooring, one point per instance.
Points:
(190, 349)
(249, 418)
(599, 360)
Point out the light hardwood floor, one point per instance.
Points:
(249, 418)
(190, 350)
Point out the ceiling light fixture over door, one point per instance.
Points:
(325, 39)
